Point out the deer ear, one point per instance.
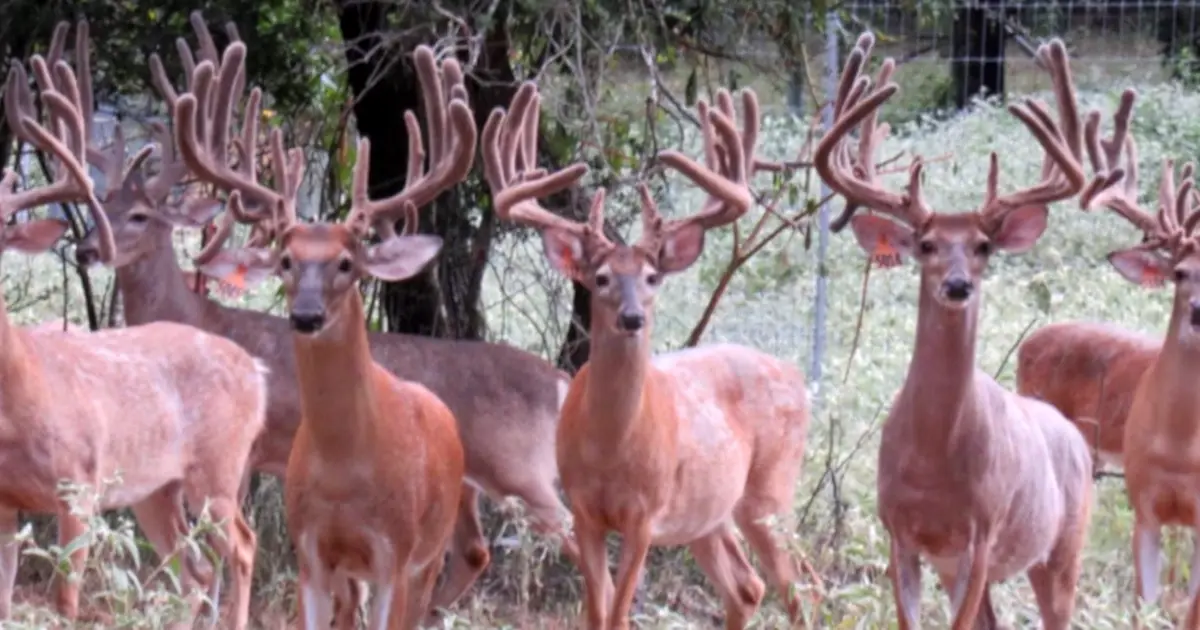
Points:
(240, 268)
(681, 247)
(194, 212)
(402, 257)
(887, 242)
(1141, 267)
(564, 250)
(1021, 229)
(35, 237)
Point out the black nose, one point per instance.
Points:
(307, 322)
(1196, 315)
(631, 321)
(957, 289)
(85, 256)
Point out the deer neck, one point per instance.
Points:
(938, 391)
(335, 372)
(1174, 375)
(618, 368)
(152, 287)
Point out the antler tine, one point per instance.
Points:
(207, 157)
(1114, 187)
(729, 163)
(452, 140)
(850, 173)
(1062, 170)
(515, 182)
(66, 143)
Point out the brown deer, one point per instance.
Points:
(671, 449)
(982, 482)
(376, 470)
(1089, 372)
(115, 410)
(506, 401)
(1162, 431)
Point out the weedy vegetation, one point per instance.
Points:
(767, 305)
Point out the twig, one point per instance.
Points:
(862, 310)
(1013, 347)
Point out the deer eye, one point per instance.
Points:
(285, 263)
(1180, 275)
(345, 265)
(653, 279)
(927, 247)
(983, 249)
(602, 280)
(139, 217)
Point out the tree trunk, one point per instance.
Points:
(445, 303)
(977, 62)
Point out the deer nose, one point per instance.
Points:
(1195, 317)
(307, 321)
(957, 289)
(631, 322)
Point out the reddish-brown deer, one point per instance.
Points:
(376, 472)
(506, 401)
(1089, 372)
(116, 410)
(1161, 454)
(673, 449)
(981, 482)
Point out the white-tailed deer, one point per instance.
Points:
(376, 470)
(116, 410)
(1089, 372)
(506, 401)
(1162, 431)
(671, 449)
(982, 482)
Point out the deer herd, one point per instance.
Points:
(384, 442)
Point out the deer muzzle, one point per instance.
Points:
(87, 251)
(631, 317)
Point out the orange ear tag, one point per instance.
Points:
(885, 254)
(237, 278)
(567, 257)
(1151, 278)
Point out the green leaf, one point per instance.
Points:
(1040, 292)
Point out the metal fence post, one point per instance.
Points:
(821, 307)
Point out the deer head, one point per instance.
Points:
(320, 264)
(67, 100)
(623, 279)
(1170, 249)
(952, 249)
(137, 205)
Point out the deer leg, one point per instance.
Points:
(1147, 561)
(905, 572)
(237, 547)
(70, 527)
(986, 620)
(971, 582)
(778, 564)
(421, 591)
(740, 589)
(315, 584)
(161, 518)
(635, 546)
(1054, 582)
(593, 563)
(9, 555)
(345, 604)
(469, 554)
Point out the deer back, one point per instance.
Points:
(1089, 372)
